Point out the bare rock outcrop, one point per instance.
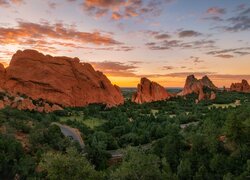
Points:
(198, 86)
(241, 87)
(59, 80)
(148, 91)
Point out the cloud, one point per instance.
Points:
(216, 11)
(7, 3)
(242, 53)
(135, 62)
(116, 16)
(52, 5)
(212, 75)
(158, 35)
(27, 30)
(163, 45)
(238, 51)
(188, 33)
(213, 18)
(225, 56)
(115, 68)
(237, 23)
(162, 36)
(4, 3)
(245, 11)
(196, 60)
(120, 9)
(170, 44)
(168, 68)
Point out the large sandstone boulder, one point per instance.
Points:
(148, 91)
(241, 87)
(197, 86)
(59, 80)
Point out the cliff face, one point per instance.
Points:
(59, 80)
(148, 91)
(197, 86)
(241, 87)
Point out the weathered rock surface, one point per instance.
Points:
(197, 86)
(148, 91)
(212, 95)
(241, 87)
(58, 80)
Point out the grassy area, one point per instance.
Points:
(154, 111)
(235, 104)
(93, 122)
(90, 122)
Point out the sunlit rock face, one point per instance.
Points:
(241, 87)
(62, 81)
(148, 91)
(197, 86)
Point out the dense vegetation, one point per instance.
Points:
(175, 139)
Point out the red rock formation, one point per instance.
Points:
(58, 80)
(148, 91)
(241, 87)
(2, 76)
(212, 96)
(197, 86)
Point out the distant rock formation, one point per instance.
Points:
(241, 87)
(148, 91)
(61, 81)
(198, 86)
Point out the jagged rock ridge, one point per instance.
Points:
(241, 87)
(197, 86)
(148, 91)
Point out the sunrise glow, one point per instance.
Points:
(164, 40)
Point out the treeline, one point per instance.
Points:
(174, 139)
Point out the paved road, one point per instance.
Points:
(76, 136)
(72, 133)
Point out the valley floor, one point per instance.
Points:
(174, 139)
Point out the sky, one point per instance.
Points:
(163, 40)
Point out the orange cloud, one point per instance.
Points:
(7, 3)
(116, 16)
(56, 31)
(123, 8)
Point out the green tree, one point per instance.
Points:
(137, 165)
(184, 170)
(71, 165)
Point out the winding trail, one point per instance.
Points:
(71, 132)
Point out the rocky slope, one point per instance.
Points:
(241, 87)
(198, 86)
(62, 81)
(148, 91)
